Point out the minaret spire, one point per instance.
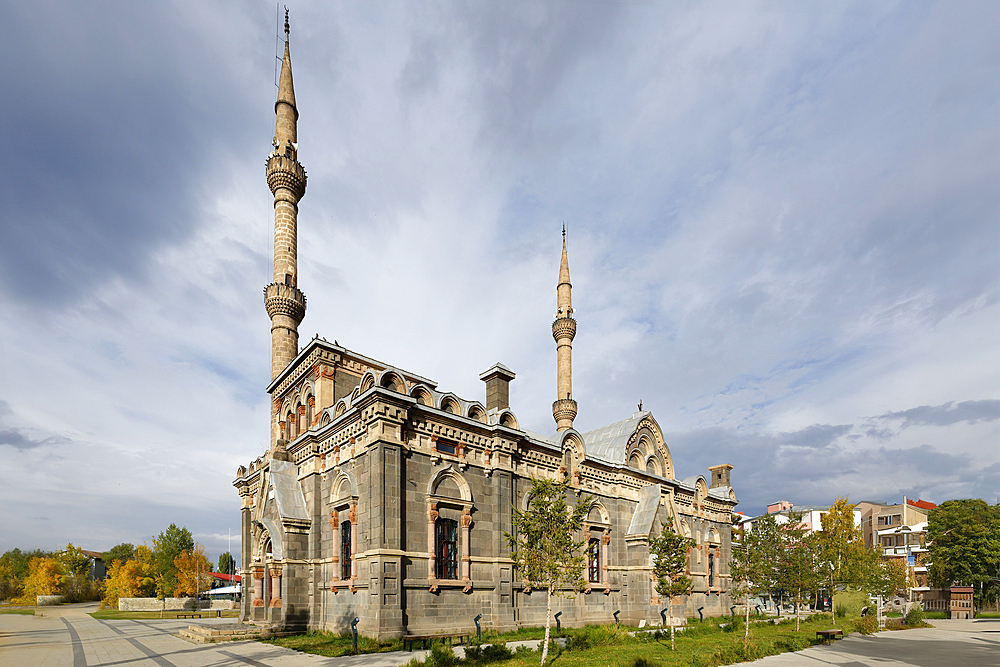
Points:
(563, 331)
(285, 304)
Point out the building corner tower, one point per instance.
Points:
(563, 331)
(285, 303)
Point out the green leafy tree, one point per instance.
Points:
(842, 547)
(882, 577)
(227, 564)
(166, 548)
(754, 564)
(543, 547)
(123, 552)
(797, 566)
(669, 552)
(964, 546)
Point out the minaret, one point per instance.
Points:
(285, 304)
(564, 330)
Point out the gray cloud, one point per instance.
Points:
(778, 221)
(947, 414)
(16, 438)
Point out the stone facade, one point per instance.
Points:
(387, 499)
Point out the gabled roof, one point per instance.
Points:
(922, 504)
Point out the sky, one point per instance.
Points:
(783, 223)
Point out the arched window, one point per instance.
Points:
(268, 550)
(446, 548)
(711, 570)
(309, 412)
(345, 550)
(594, 561)
(635, 461)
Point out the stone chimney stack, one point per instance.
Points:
(720, 475)
(497, 379)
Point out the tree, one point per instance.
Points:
(134, 577)
(543, 547)
(754, 562)
(14, 570)
(227, 564)
(193, 572)
(797, 571)
(122, 552)
(883, 577)
(166, 548)
(964, 546)
(44, 578)
(669, 553)
(74, 561)
(841, 547)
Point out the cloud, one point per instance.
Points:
(780, 223)
(15, 438)
(971, 412)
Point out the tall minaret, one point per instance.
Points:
(564, 330)
(285, 304)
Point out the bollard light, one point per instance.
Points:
(558, 624)
(354, 631)
(479, 630)
(663, 615)
(732, 611)
(701, 616)
(617, 622)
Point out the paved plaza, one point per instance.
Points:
(67, 637)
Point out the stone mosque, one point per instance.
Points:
(386, 498)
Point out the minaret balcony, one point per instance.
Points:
(564, 327)
(285, 172)
(564, 411)
(281, 299)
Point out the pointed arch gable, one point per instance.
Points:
(648, 435)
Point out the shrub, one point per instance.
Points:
(642, 662)
(482, 655)
(866, 625)
(523, 652)
(441, 656)
(914, 617)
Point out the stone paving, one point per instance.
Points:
(67, 637)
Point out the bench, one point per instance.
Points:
(823, 635)
(198, 614)
(409, 639)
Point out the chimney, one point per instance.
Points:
(497, 379)
(720, 475)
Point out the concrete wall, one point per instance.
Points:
(48, 600)
(170, 604)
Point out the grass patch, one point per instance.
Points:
(112, 614)
(988, 614)
(333, 645)
(25, 612)
(709, 644)
(849, 603)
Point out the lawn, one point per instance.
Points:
(708, 643)
(110, 614)
(18, 610)
(332, 645)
